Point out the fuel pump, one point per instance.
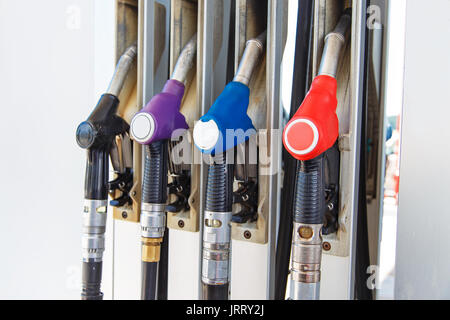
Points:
(212, 133)
(311, 137)
(153, 127)
(97, 135)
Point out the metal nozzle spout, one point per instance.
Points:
(185, 61)
(334, 41)
(121, 71)
(253, 50)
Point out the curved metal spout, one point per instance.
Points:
(121, 71)
(185, 61)
(334, 41)
(253, 50)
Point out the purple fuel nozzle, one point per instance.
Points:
(161, 116)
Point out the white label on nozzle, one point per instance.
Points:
(142, 127)
(312, 145)
(206, 134)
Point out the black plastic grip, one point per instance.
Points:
(154, 183)
(91, 280)
(149, 276)
(96, 178)
(219, 187)
(309, 205)
(215, 292)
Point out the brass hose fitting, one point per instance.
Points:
(151, 249)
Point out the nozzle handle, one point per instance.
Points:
(159, 119)
(314, 128)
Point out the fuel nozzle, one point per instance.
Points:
(228, 114)
(152, 127)
(161, 116)
(97, 134)
(103, 124)
(314, 128)
(308, 136)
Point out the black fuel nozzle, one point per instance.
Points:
(103, 124)
(96, 134)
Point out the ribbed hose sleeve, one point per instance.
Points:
(154, 183)
(91, 280)
(149, 276)
(215, 292)
(219, 187)
(309, 207)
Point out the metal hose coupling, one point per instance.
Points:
(153, 224)
(306, 260)
(216, 247)
(93, 246)
(94, 225)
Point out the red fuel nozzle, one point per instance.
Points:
(315, 127)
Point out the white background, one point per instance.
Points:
(50, 80)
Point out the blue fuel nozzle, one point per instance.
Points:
(226, 124)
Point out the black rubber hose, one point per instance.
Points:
(215, 292)
(154, 182)
(163, 267)
(91, 280)
(96, 178)
(300, 85)
(149, 276)
(362, 256)
(309, 199)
